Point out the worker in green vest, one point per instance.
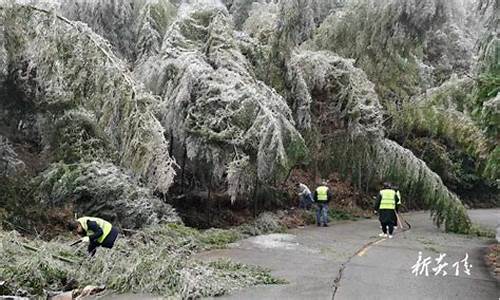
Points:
(386, 205)
(97, 232)
(322, 196)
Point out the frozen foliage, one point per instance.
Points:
(407, 48)
(214, 107)
(76, 137)
(294, 25)
(266, 223)
(486, 99)
(159, 262)
(412, 174)
(486, 103)
(151, 25)
(330, 95)
(3, 54)
(486, 12)
(61, 65)
(323, 8)
(491, 112)
(134, 27)
(330, 92)
(261, 23)
(10, 164)
(441, 112)
(393, 40)
(266, 17)
(113, 19)
(296, 22)
(240, 10)
(228, 129)
(102, 189)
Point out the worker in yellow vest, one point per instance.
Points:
(386, 205)
(97, 232)
(322, 196)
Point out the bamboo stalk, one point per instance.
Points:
(61, 258)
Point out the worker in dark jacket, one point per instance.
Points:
(322, 196)
(386, 205)
(97, 232)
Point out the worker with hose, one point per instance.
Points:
(96, 231)
(386, 206)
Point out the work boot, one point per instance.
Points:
(318, 224)
(382, 234)
(390, 236)
(325, 225)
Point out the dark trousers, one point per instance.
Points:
(387, 218)
(385, 225)
(108, 242)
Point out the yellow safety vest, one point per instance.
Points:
(399, 197)
(322, 193)
(105, 226)
(388, 199)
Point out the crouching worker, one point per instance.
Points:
(387, 205)
(97, 232)
(305, 196)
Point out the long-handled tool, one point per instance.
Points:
(400, 224)
(401, 220)
(76, 243)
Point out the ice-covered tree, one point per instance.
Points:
(225, 121)
(403, 46)
(336, 106)
(89, 107)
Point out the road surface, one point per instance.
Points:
(349, 261)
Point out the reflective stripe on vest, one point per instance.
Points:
(399, 197)
(322, 193)
(388, 199)
(105, 226)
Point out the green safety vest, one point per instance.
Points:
(388, 199)
(105, 226)
(322, 193)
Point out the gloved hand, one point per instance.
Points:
(375, 212)
(86, 239)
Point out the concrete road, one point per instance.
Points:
(349, 261)
(489, 218)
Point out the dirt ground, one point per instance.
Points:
(493, 260)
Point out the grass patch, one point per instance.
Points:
(266, 223)
(220, 237)
(340, 215)
(481, 231)
(309, 216)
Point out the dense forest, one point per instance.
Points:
(133, 110)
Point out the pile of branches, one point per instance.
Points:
(157, 260)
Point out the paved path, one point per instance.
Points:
(349, 261)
